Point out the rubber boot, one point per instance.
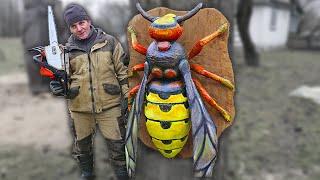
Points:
(121, 173)
(86, 166)
(84, 155)
(118, 158)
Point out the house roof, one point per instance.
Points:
(276, 3)
(272, 1)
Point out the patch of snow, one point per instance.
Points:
(307, 92)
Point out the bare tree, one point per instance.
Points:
(117, 24)
(133, 9)
(243, 20)
(165, 3)
(10, 19)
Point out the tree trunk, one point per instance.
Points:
(243, 20)
(133, 9)
(165, 3)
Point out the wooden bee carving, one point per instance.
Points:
(176, 107)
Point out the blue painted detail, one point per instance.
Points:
(165, 59)
(165, 86)
(164, 26)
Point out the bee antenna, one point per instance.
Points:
(144, 13)
(189, 14)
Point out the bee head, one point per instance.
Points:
(167, 27)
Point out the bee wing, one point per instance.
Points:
(131, 141)
(203, 129)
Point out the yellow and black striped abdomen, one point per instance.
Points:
(167, 114)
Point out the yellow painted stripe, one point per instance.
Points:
(166, 19)
(175, 144)
(177, 130)
(172, 154)
(177, 112)
(155, 98)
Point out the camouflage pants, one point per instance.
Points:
(111, 128)
(107, 121)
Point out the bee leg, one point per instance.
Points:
(196, 49)
(211, 101)
(135, 44)
(131, 95)
(135, 69)
(200, 70)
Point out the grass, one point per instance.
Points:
(11, 55)
(275, 136)
(275, 133)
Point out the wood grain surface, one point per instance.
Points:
(214, 57)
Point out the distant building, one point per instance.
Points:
(269, 24)
(305, 31)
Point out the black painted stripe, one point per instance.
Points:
(186, 120)
(170, 139)
(172, 104)
(170, 149)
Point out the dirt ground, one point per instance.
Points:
(275, 136)
(35, 139)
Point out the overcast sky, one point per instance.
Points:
(94, 1)
(94, 4)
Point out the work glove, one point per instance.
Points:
(56, 88)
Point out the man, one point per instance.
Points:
(98, 84)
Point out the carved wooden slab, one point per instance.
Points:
(214, 57)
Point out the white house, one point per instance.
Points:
(269, 24)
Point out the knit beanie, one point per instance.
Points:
(75, 13)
